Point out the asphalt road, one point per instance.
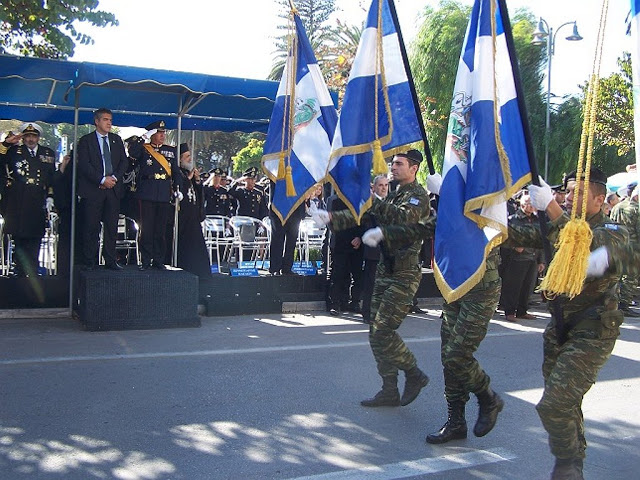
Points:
(277, 397)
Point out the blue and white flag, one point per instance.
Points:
(301, 127)
(486, 158)
(635, 72)
(378, 75)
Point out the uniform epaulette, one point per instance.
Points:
(3, 149)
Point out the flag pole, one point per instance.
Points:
(412, 87)
(533, 166)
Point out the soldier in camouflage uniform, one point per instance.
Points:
(464, 326)
(579, 340)
(397, 279)
(626, 213)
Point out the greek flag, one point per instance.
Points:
(635, 63)
(486, 157)
(378, 105)
(301, 127)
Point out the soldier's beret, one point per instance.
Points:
(33, 128)
(251, 172)
(595, 176)
(414, 155)
(158, 125)
(184, 148)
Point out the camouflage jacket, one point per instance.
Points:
(626, 213)
(597, 292)
(403, 208)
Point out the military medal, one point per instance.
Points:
(149, 162)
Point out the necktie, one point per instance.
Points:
(33, 153)
(106, 153)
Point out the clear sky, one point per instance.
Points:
(236, 38)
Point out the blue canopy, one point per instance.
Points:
(34, 89)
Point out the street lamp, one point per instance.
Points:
(544, 33)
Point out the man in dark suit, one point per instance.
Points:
(102, 163)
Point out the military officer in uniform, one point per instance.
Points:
(626, 213)
(397, 278)
(580, 340)
(157, 185)
(28, 171)
(217, 199)
(251, 201)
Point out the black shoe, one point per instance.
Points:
(114, 266)
(628, 312)
(490, 405)
(334, 312)
(416, 309)
(290, 273)
(416, 381)
(567, 469)
(159, 266)
(144, 266)
(454, 429)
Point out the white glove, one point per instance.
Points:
(598, 262)
(178, 195)
(227, 232)
(434, 182)
(373, 237)
(313, 209)
(49, 204)
(321, 217)
(261, 230)
(541, 195)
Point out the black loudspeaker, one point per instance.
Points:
(134, 300)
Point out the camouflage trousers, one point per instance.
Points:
(628, 289)
(464, 326)
(569, 371)
(391, 300)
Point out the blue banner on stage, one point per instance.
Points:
(244, 272)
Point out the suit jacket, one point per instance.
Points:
(91, 168)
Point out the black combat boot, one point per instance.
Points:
(490, 405)
(416, 380)
(387, 397)
(455, 428)
(567, 469)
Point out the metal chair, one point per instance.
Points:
(127, 238)
(48, 256)
(250, 235)
(218, 237)
(310, 236)
(4, 264)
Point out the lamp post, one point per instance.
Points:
(544, 33)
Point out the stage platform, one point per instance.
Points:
(219, 294)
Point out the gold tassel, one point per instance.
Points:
(291, 189)
(281, 167)
(379, 165)
(568, 268)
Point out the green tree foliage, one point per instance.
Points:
(48, 29)
(314, 15)
(434, 58)
(249, 156)
(564, 140)
(614, 122)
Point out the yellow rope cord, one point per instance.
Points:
(290, 188)
(502, 154)
(287, 98)
(379, 165)
(568, 268)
